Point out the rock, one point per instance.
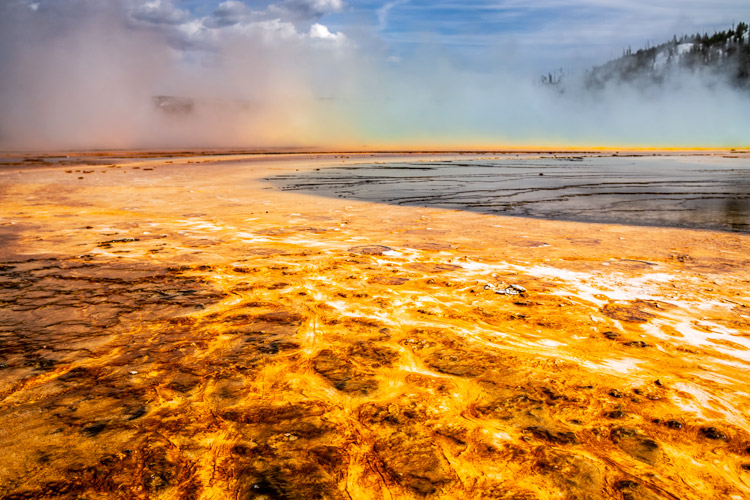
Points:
(636, 343)
(508, 290)
(41, 363)
(625, 484)
(713, 433)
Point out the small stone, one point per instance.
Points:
(713, 433)
(636, 343)
(625, 484)
(615, 393)
(674, 424)
(616, 414)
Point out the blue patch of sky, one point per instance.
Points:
(544, 30)
(459, 24)
(199, 8)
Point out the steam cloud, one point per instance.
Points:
(84, 74)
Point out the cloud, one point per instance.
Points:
(159, 12)
(230, 13)
(291, 19)
(321, 32)
(306, 9)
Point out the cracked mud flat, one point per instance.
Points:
(178, 328)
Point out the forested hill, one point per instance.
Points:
(724, 55)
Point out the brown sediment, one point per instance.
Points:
(187, 332)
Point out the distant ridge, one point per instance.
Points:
(725, 55)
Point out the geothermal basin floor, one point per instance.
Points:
(179, 327)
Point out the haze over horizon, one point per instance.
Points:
(329, 73)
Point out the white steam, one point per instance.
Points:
(84, 74)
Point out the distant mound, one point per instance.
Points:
(183, 106)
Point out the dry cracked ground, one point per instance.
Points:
(175, 328)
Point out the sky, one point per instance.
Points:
(540, 33)
(326, 73)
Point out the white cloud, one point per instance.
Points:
(321, 32)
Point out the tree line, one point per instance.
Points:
(725, 53)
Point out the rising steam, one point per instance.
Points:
(91, 74)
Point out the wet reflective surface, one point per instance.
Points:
(710, 192)
(173, 328)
